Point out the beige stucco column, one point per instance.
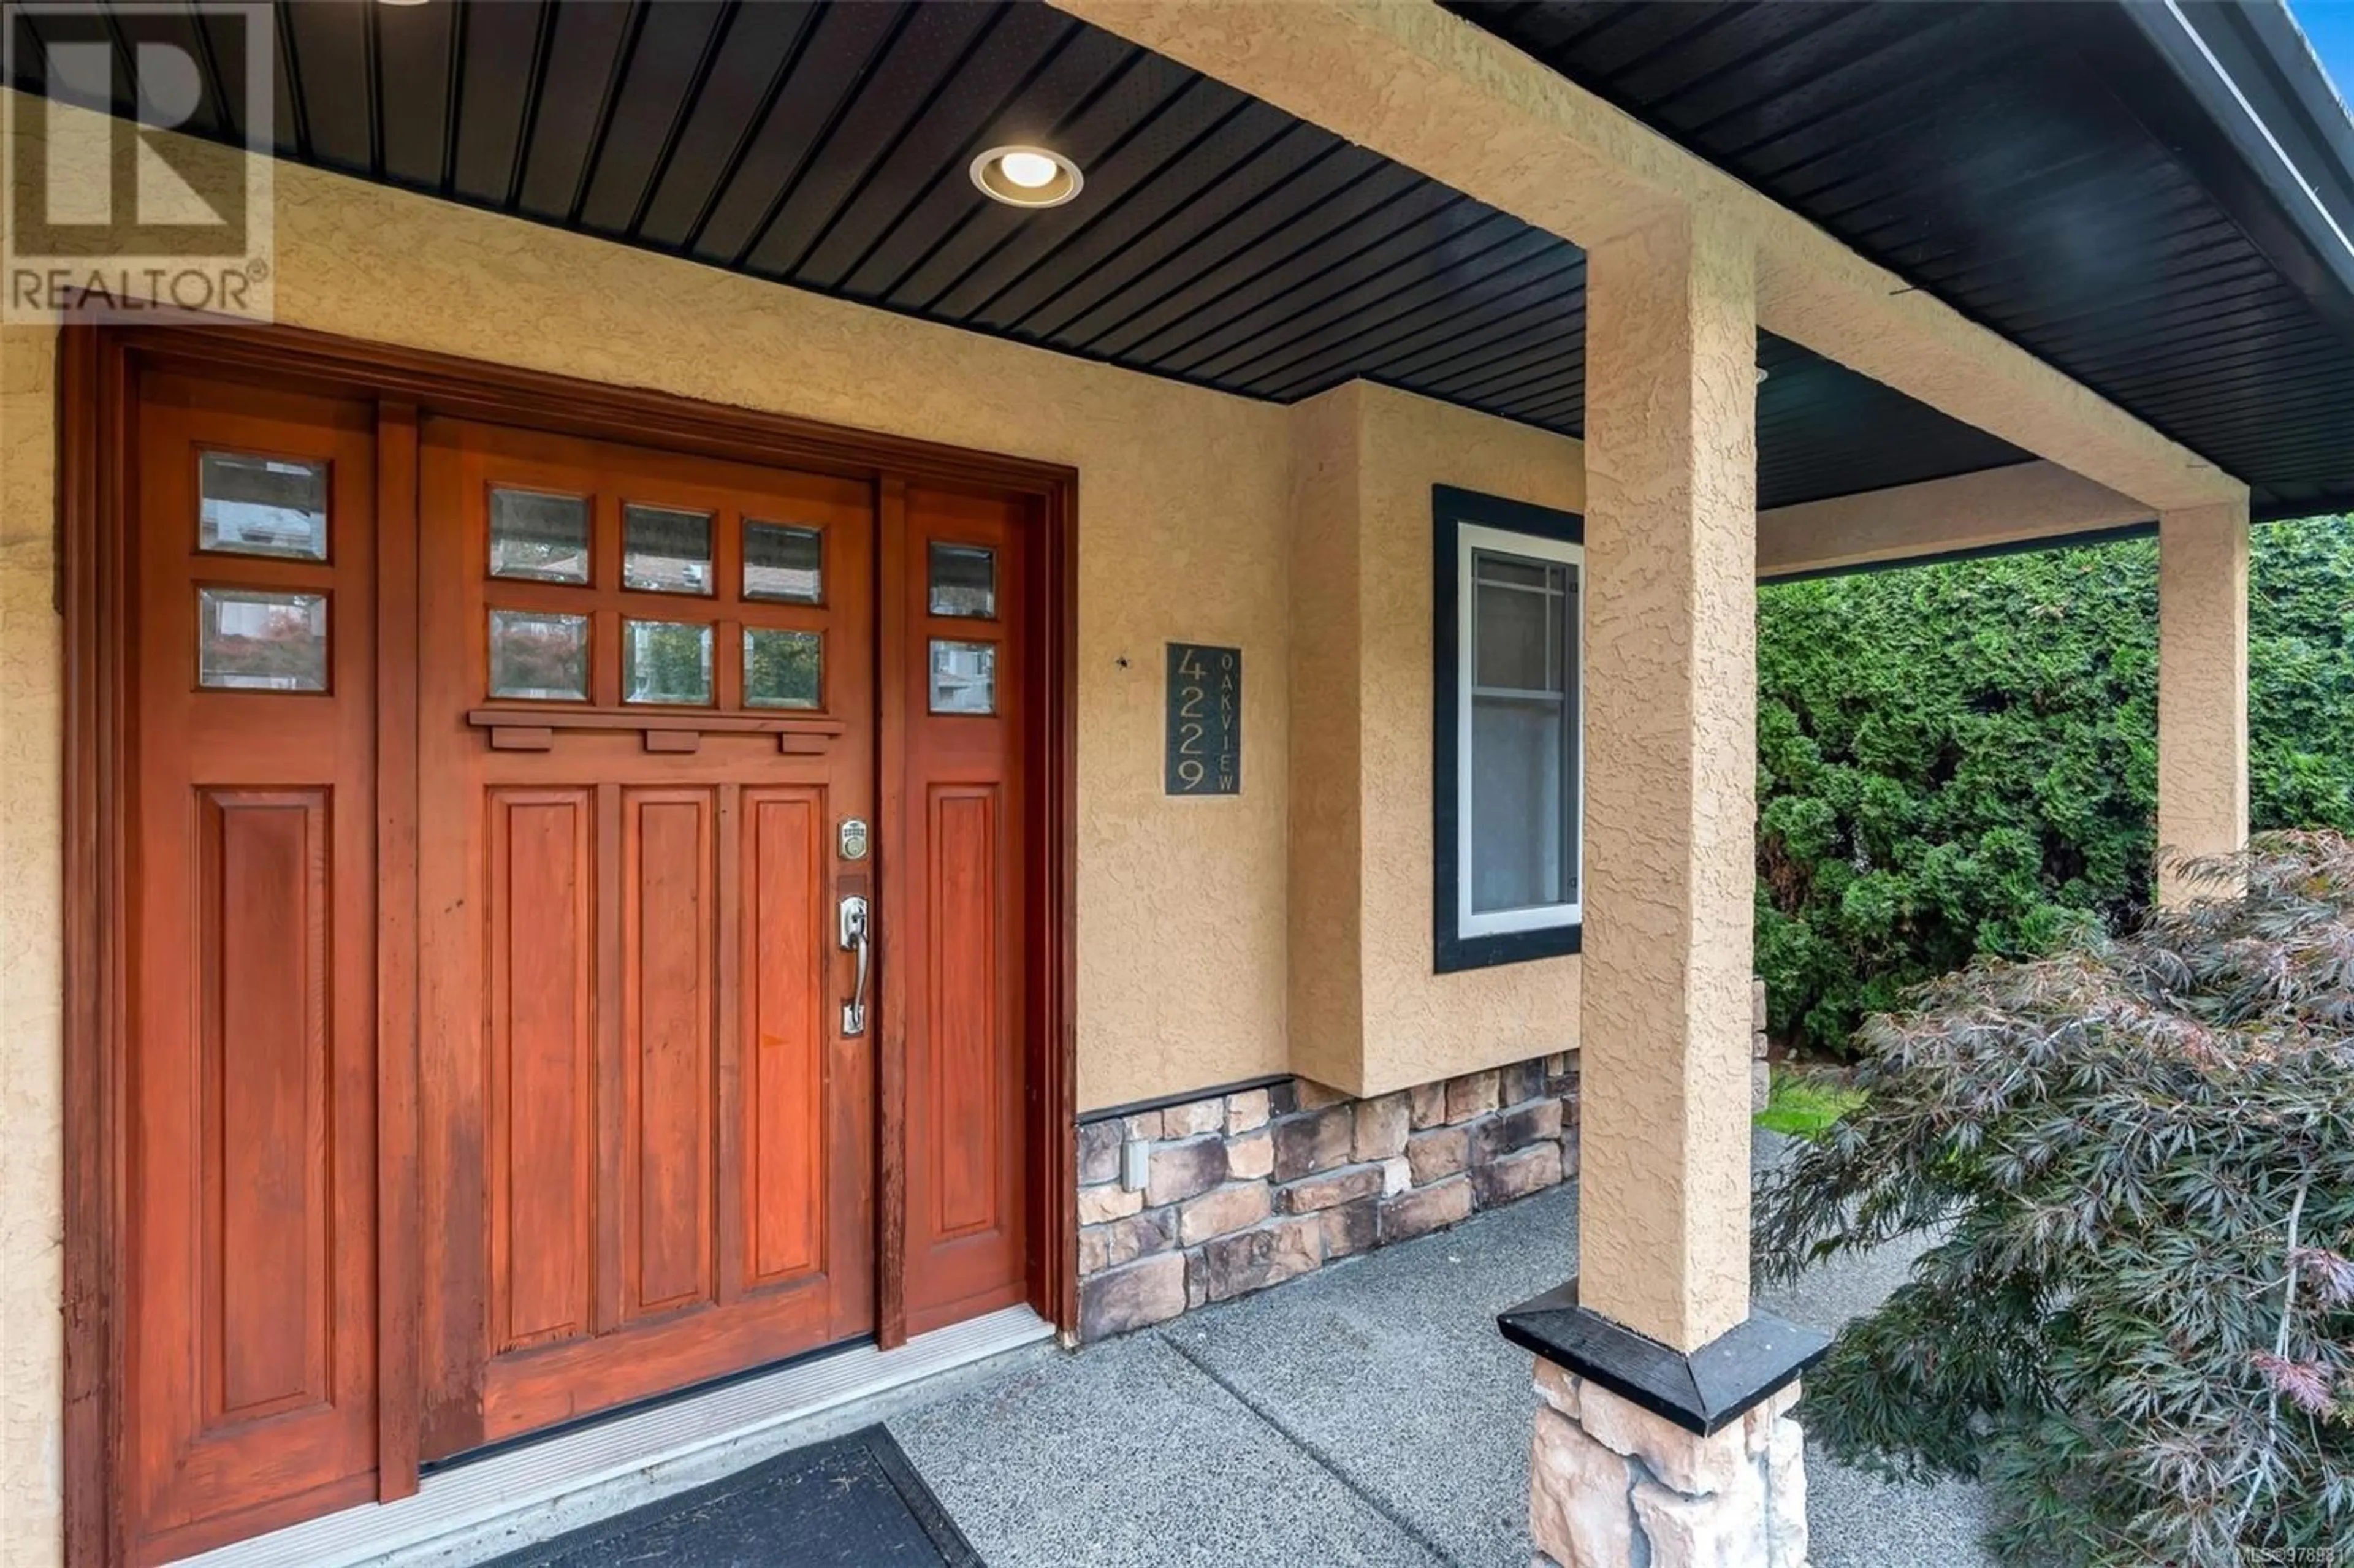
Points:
(1672, 466)
(1633, 1457)
(2202, 687)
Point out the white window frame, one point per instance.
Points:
(1470, 537)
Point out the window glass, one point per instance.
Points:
(539, 656)
(1518, 782)
(963, 580)
(964, 677)
(1518, 807)
(540, 536)
(261, 640)
(261, 506)
(664, 550)
(783, 562)
(1518, 611)
(665, 662)
(781, 669)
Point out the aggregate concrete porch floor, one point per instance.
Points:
(1368, 1414)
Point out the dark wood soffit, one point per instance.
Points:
(2084, 180)
(1219, 241)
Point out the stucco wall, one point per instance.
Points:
(1327, 1025)
(32, 998)
(1365, 458)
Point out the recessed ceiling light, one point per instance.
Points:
(1026, 176)
(1031, 171)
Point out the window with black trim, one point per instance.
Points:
(1508, 798)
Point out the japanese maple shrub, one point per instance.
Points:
(2133, 1166)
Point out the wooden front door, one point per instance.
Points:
(493, 1051)
(648, 702)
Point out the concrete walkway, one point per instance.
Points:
(1368, 1414)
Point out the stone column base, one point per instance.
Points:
(1605, 1474)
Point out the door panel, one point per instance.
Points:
(664, 1141)
(667, 991)
(542, 1064)
(265, 898)
(249, 1311)
(957, 901)
(964, 1008)
(786, 1029)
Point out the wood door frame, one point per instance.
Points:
(97, 370)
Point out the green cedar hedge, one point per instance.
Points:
(1961, 758)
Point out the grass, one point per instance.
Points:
(1803, 1105)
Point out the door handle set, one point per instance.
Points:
(856, 939)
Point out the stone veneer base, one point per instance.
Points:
(1208, 1198)
(1611, 1484)
(1235, 1193)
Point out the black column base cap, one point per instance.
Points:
(1702, 1393)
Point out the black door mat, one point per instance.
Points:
(849, 1503)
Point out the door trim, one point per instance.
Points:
(890, 807)
(97, 370)
(399, 1389)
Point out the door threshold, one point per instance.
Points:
(457, 1512)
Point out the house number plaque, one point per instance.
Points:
(1205, 720)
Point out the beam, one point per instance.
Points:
(1989, 510)
(1435, 93)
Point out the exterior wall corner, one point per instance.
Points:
(32, 958)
